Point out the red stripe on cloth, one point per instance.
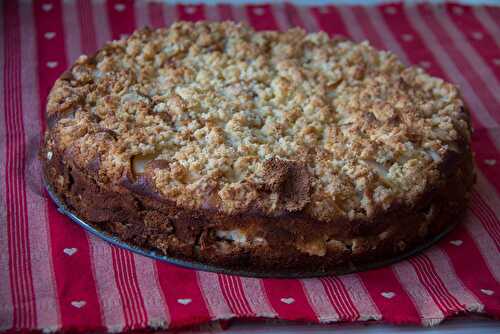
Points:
(288, 299)
(446, 273)
(225, 12)
(485, 245)
(329, 20)
(339, 298)
(156, 16)
(293, 15)
(461, 41)
(367, 26)
(425, 15)
(21, 280)
(474, 31)
(300, 16)
(485, 152)
(458, 243)
(389, 296)
(121, 17)
(432, 54)
(132, 303)
(261, 17)
(488, 22)
(323, 307)
(494, 11)
(418, 53)
(487, 217)
(191, 13)
(429, 278)
(75, 287)
(234, 295)
(183, 295)
(255, 294)
(6, 313)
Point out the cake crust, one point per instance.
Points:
(261, 151)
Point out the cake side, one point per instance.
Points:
(293, 243)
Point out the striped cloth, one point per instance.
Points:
(54, 276)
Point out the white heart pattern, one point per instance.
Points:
(259, 11)
(477, 35)
(407, 37)
(190, 10)
(488, 292)
(288, 300)
(425, 64)
(458, 10)
(49, 34)
(70, 251)
(388, 294)
(52, 64)
(456, 242)
(391, 10)
(78, 303)
(47, 7)
(119, 7)
(490, 162)
(184, 301)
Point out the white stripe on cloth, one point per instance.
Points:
(340, 298)
(444, 268)
(317, 298)
(212, 295)
(70, 19)
(257, 297)
(488, 193)
(449, 66)
(360, 297)
(487, 217)
(429, 311)
(47, 306)
(240, 14)
(127, 284)
(352, 26)
(20, 265)
(234, 301)
(470, 54)
(103, 34)
(6, 308)
(385, 33)
(211, 13)
(279, 14)
(485, 244)
(434, 285)
(141, 14)
(487, 22)
(154, 299)
(170, 14)
(307, 19)
(107, 291)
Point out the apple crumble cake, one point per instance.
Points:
(258, 151)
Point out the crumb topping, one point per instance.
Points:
(221, 117)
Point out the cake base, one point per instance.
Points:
(190, 264)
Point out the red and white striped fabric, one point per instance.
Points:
(54, 276)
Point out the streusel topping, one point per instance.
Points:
(217, 116)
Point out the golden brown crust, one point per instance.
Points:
(322, 141)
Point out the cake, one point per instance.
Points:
(265, 152)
